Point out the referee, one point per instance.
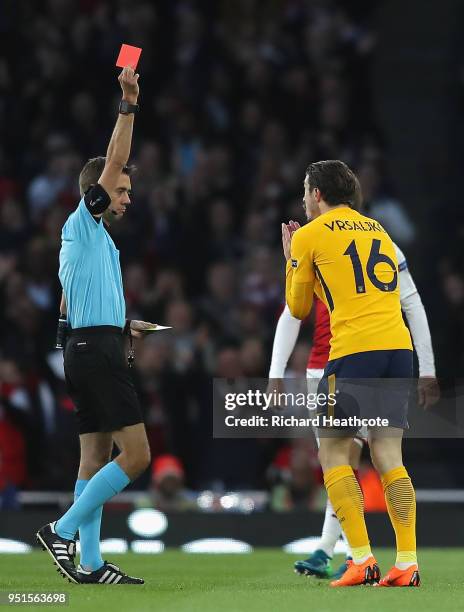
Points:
(96, 369)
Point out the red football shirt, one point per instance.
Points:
(319, 354)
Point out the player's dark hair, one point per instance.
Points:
(335, 180)
(92, 171)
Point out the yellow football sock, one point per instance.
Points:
(401, 504)
(347, 500)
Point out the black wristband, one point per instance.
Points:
(61, 331)
(125, 108)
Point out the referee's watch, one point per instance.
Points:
(126, 109)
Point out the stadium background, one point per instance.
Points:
(237, 98)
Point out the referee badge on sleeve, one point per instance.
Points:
(294, 263)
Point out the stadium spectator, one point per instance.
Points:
(296, 477)
(167, 486)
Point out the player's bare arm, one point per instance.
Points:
(119, 147)
(63, 309)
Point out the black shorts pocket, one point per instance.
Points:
(80, 352)
(81, 347)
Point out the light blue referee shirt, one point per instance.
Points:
(90, 272)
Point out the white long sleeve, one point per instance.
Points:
(414, 310)
(285, 338)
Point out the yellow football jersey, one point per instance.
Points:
(350, 262)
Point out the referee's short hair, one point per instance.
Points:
(92, 171)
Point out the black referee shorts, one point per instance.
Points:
(99, 381)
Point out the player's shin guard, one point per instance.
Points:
(401, 505)
(346, 497)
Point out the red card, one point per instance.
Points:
(128, 56)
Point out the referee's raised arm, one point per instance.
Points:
(119, 147)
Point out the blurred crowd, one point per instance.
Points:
(236, 99)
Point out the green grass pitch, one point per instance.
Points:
(260, 581)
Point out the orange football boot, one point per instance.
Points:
(401, 578)
(356, 575)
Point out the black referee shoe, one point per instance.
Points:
(62, 551)
(107, 574)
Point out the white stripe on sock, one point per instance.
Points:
(403, 565)
(362, 560)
